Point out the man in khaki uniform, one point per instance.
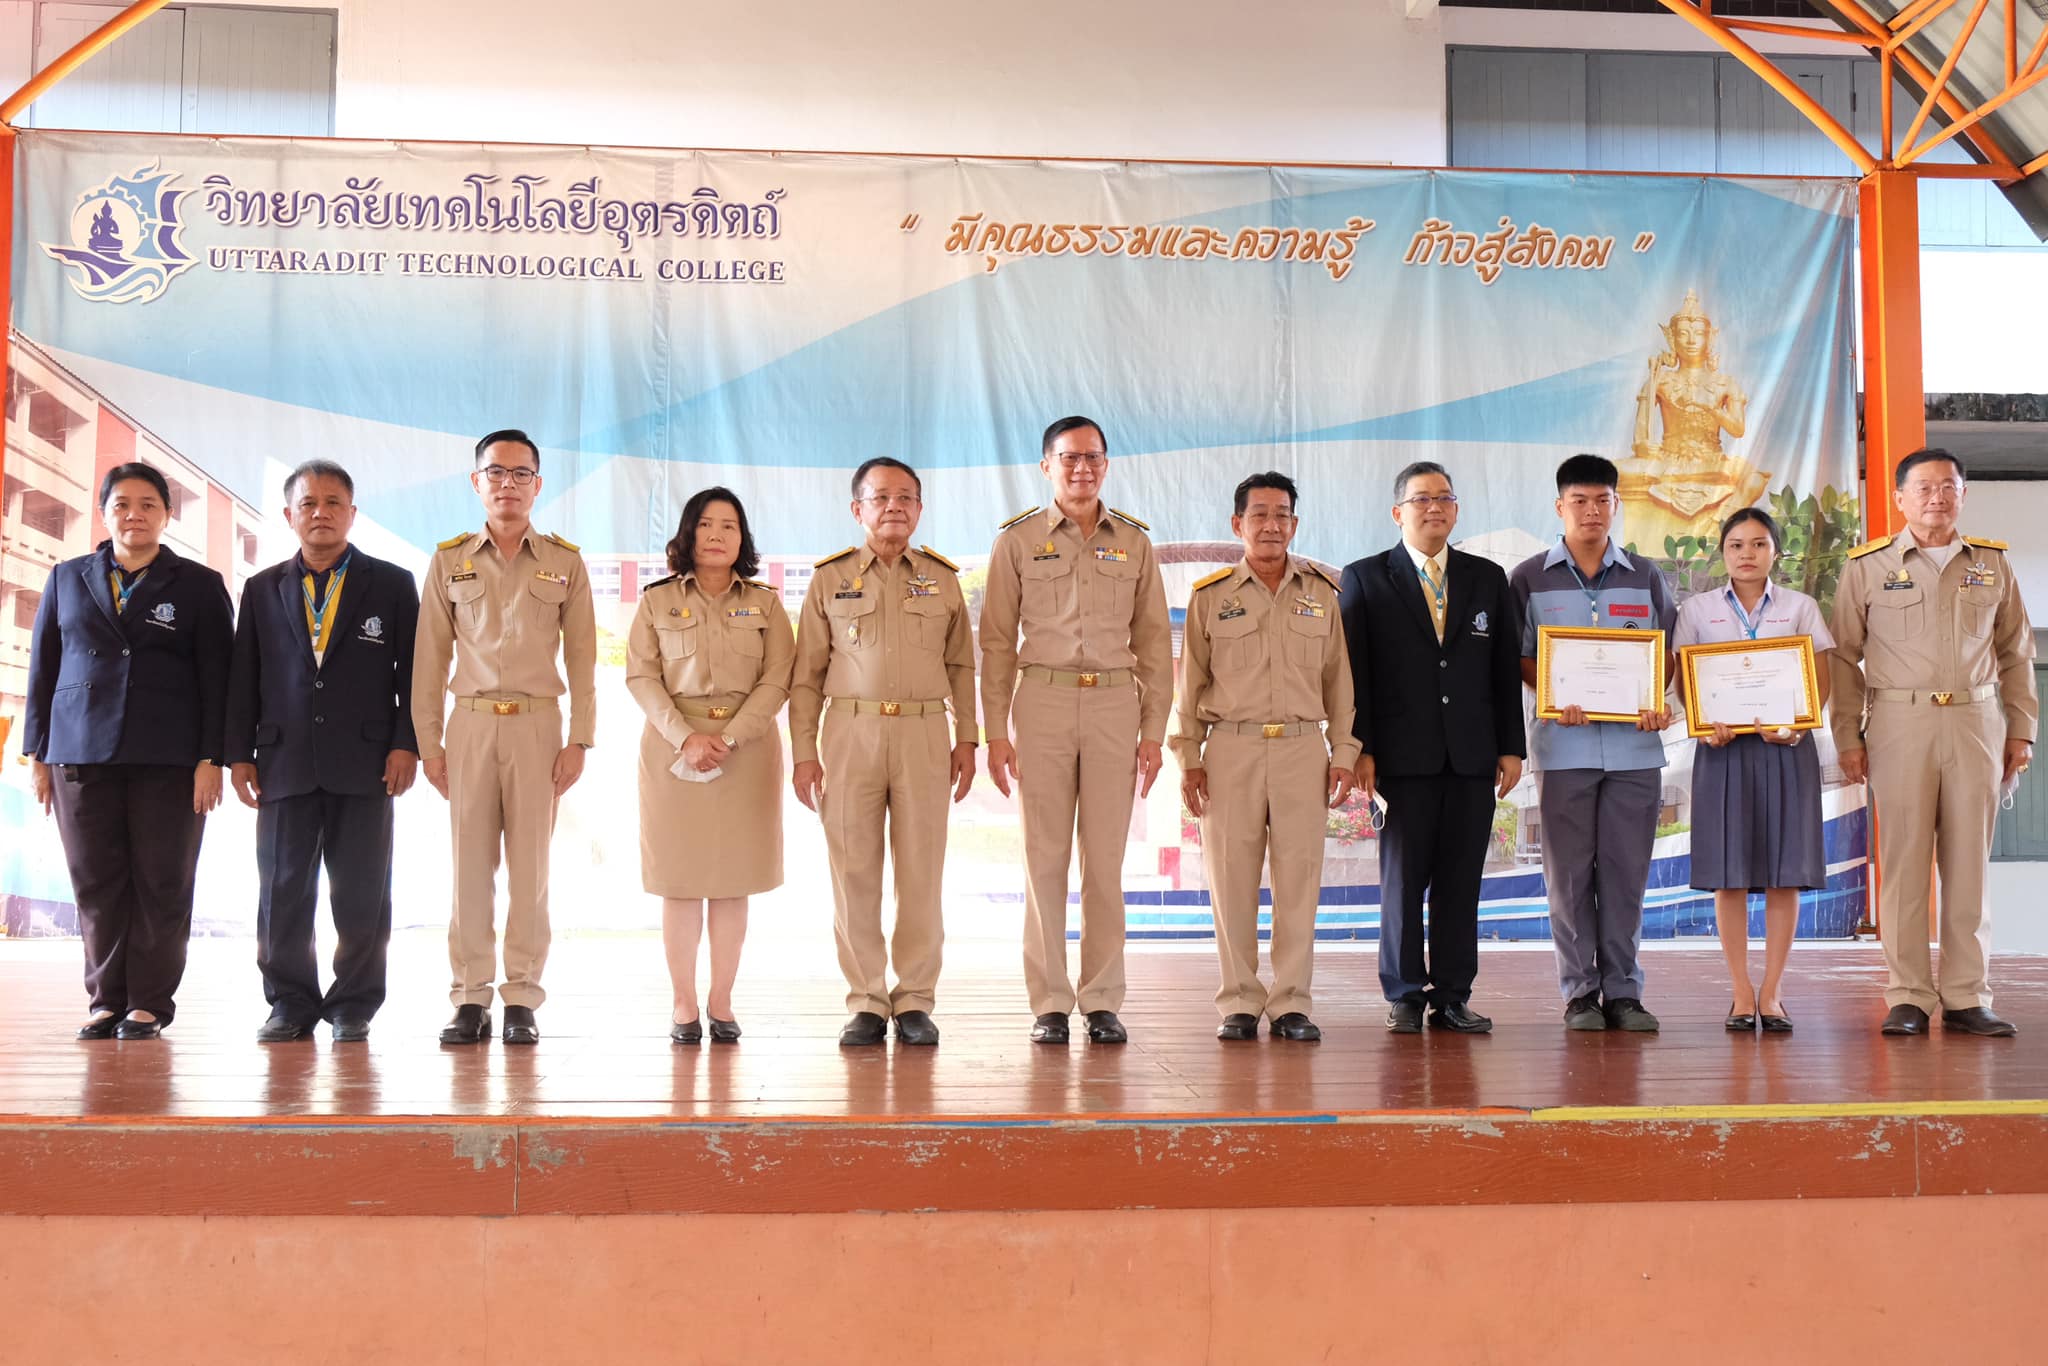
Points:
(500, 602)
(1940, 717)
(884, 639)
(1090, 684)
(1263, 733)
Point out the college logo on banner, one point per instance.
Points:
(125, 238)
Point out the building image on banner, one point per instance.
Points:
(665, 321)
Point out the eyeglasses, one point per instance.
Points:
(1075, 459)
(1923, 491)
(1422, 502)
(498, 474)
(891, 500)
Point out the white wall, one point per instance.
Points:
(2014, 511)
(17, 44)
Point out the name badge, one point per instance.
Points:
(464, 577)
(1230, 614)
(1628, 609)
(849, 593)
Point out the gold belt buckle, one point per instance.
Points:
(892, 709)
(1089, 680)
(1273, 730)
(503, 708)
(718, 713)
(1941, 699)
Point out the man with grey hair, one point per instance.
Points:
(320, 739)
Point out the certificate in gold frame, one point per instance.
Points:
(1549, 709)
(1688, 676)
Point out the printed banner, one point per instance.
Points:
(660, 321)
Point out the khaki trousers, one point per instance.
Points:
(1268, 800)
(501, 791)
(1934, 775)
(1077, 770)
(893, 772)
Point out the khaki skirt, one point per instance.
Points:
(715, 839)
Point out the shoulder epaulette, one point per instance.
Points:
(1325, 575)
(932, 554)
(1122, 516)
(1870, 547)
(457, 539)
(835, 555)
(759, 583)
(1018, 518)
(558, 539)
(666, 578)
(1985, 543)
(1216, 577)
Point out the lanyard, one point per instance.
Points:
(320, 612)
(1593, 593)
(1743, 617)
(1433, 585)
(124, 589)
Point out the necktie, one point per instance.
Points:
(1436, 597)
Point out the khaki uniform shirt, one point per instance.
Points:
(501, 622)
(1912, 624)
(734, 649)
(881, 633)
(1083, 603)
(1248, 654)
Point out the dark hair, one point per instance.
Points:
(135, 469)
(1416, 471)
(318, 469)
(682, 547)
(1583, 469)
(509, 434)
(1757, 515)
(1271, 479)
(884, 462)
(1069, 424)
(1926, 455)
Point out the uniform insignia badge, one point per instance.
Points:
(685, 613)
(550, 576)
(1898, 578)
(1048, 551)
(1479, 623)
(1306, 606)
(373, 628)
(675, 611)
(1114, 554)
(922, 587)
(735, 613)
(853, 633)
(164, 614)
(1231, 610)
(1979, 575)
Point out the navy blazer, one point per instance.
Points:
(1424, 707)
(327, 727)
(147, 685)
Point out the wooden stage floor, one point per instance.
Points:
(606, 1115)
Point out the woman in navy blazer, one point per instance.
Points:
(127, 703)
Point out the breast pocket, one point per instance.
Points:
(1235, 643)
(855, 624)
(738, 665)
(1898, 614)
(678, 641)
(1307, 638)
(544, 599)
(928, 618)
(1116, 588)
(1979, 607)
(1048, 588)
(466, 600)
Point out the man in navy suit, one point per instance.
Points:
(1436, 664)
(320, 737)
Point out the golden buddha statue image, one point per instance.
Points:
(1683, 483)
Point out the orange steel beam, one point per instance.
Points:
(85, 48)
(1914, 11)
(1990, 106)
(2012, 40)
(1824, 35)
(1948, 68)
(1900, 38)
(2033, 56)
(1894, 399)
(1778, 81)
(2036, 164)
(1916, 71)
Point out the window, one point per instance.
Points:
(26, 601)
(40, 512)
(604, 579)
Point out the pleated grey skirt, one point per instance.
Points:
(1756, 817)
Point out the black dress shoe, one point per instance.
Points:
(102, 1028)
(282, 1029)
(1904, 1020)
(138, 1029)
(472, 1024)
(1780, 1023)
(1978, 1020)
(1105, 1027)
(520, 1026)
(1405, 1016)
(1238, 1028)
(914, 1027)
(1296, 1026)
(349, 1029)
(865, 1030)
(723, 1031)
(1049, 1028)
(1739, 1024)
(691, 1031)
(1627, 1013)
(1584, 1013)
(1459, 1018)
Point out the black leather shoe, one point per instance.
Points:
(1296, 1026)
(282, 1029)
(691, 1031)
(138, 1029)
(472, 1024)
(1459, 1018)
(915, 1028)
(1978, 1020)
(102, 1028)
(1051, 1028)
(1238, 1028)
(1627, 1013)
(1583, 1012)
(1405, 1016)
(1739, 1024)
(1904, 1020)
(520, 1026)
(723, 1031)
(865, 1030)
(1105, 1027)
(349, 1029)
(1780, 1023)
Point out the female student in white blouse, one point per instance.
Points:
(1756, 808)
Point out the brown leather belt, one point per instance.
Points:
(861, 706)
(1270, 730)
(508, 704)
(1067, 678)
(1983, 692)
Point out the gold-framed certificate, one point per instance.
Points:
(1741, 682)
(1611, 675)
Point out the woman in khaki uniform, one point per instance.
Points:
(708, 659)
